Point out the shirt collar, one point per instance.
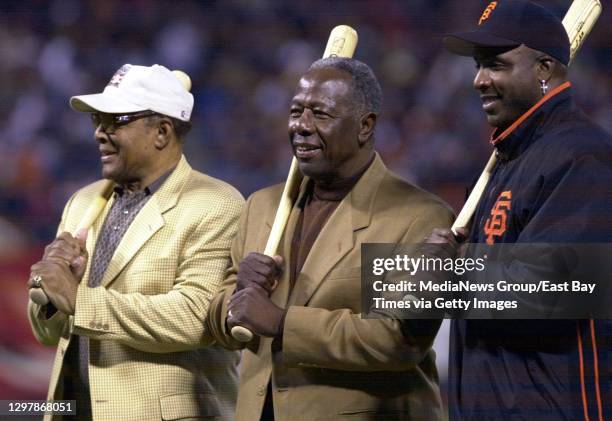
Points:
(516, 138)
(150, 189)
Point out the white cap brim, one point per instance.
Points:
(104, 103)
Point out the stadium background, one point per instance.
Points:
(244, 58)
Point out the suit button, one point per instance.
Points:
(261, 391)
(92, 325)
(105, 326)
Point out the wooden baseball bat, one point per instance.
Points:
(341, 43)
(96, 207)
(91, 214)
(578, 23)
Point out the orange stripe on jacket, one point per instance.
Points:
(585, 404)
(596, 367)
(530, 111)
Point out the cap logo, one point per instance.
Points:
(119, 75)
(487, 12)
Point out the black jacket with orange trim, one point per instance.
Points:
(552, 184)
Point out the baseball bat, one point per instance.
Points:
(342, 42)
(91, 214)
(578, 23)
(96, 207)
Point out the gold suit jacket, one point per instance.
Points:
(150, 356)
(331, 363)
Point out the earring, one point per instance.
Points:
(544, 86)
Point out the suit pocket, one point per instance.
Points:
(377, 414)
(163, 266)
(341, 288)
(344, 273)
(189, 405)
(148, 277)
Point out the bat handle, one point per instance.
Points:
(38, 295)
(241, 334)
(464, 217)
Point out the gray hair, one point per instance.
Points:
(181, 128)
(367, 92)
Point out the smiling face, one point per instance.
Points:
(507, 83)
(324, 127)
(128, 153)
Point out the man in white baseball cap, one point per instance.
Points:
(128, 298)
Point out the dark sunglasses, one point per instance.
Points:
(111, 122)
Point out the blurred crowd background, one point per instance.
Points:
(244, 58)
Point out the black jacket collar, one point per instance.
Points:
(532, 125)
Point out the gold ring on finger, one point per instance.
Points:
(37, 281)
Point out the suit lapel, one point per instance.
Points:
(94, 232)
(148, 221)
(333, 242)
(337, 238)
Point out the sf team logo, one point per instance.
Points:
(487, 12)
(119, 74)
(496, 225)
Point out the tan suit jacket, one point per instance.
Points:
(149, 356)
(333, 363)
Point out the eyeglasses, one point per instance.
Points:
(111, 122)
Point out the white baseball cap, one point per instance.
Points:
(139, 88)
